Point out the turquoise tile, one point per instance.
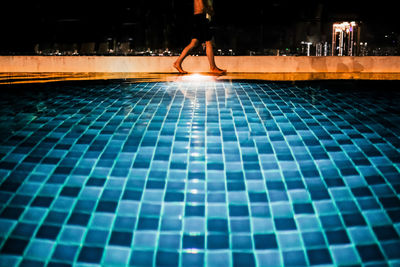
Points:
(6, 226)
(72, 234)
(143, 240)
(102, 221)
(194, 224)
(8, 260)
(219, 258)
(116, 256)
(262, 225)
(361, 235)
(289, 240)
(269, 258)
(40, 249)
(307, 222)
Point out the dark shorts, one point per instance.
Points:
(201, 28)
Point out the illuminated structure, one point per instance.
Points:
(345, 39)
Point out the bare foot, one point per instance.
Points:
(217, 71)
(179, 68)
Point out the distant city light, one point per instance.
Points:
(343, 39)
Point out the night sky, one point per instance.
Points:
(165, 22)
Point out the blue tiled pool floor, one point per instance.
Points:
(192, 174)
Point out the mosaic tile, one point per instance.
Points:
(240, 173)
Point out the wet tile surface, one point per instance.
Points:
(199, 173)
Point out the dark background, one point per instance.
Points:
(250, 25)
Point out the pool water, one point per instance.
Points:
(215, 173)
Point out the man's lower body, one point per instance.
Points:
(201, 32)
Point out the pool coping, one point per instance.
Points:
(35, 77)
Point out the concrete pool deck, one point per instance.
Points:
(277, 68)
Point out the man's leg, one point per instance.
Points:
(210, 56)
(183, 55)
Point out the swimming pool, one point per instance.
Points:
(216, 173)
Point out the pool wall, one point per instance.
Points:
(280, 67)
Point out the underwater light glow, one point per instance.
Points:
(197, 77)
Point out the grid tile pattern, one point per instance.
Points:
(192, 174)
